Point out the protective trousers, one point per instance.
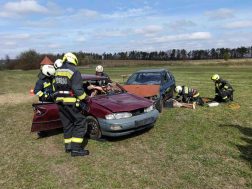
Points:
(74, 126)
(225, 95)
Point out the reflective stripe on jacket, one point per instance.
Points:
(67, 79)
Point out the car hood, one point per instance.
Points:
(122, 102)
(143, 90)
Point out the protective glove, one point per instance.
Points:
(84, 107)
(89, 102)
(52, 96)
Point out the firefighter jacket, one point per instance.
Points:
(69, 85)
(221, 86)
(188, 92)
(44, 87)
(100, 82)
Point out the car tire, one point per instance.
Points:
(41, 134)
(161, 105)
(93, 128)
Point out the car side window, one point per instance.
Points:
(171, 76)
(166, 77)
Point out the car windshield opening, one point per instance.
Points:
(146, 78)
(101, 90)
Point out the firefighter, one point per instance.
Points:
(58, 63)
(71, 100)
(189, 95)
(99, 72)
(44, 87)
(223, 89)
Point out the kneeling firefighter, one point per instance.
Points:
(223, 89)
(190, 95)
(71, 100)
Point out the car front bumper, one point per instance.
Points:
(128, 125)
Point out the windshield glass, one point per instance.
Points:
(146, 78)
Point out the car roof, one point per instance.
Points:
(151, 70)
(86, 77)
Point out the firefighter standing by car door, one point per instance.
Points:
(70, 99)
(223, 89)
(44, 86)
(189, 95)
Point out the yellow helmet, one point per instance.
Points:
(71, 58)
(215, 77)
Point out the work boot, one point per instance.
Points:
(231, 97)
(68, 150)
(79, 152)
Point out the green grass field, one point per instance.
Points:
(202, 148)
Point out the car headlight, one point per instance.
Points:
(122, 115)
(149, 109)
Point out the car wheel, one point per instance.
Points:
(93, 128)
(161, 105)
(41, 134)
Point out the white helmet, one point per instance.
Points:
(58, 63)
(99, 68)
(178, 89)
(48, 70)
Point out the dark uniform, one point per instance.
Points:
(44, 87)
(191, 96)
(101, 82)
(70, 90)
(223, 91)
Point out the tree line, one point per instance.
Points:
(31, 59)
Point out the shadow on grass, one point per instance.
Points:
(50, 133)
(246, 150)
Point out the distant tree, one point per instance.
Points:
(7, 59)
(226, 56)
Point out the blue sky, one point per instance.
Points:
(99, 26)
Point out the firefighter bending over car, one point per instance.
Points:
(71, 100)
(189, 95)
(223, 89)
(44, 87)
(99, 72)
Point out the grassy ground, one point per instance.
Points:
(202, 148)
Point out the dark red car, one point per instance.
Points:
(114, 113)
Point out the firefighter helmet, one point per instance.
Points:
(58, 63)
(215, 77)
(48, 70)
(71, 58)
(99, 68)
(178, 89)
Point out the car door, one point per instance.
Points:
(168, 84)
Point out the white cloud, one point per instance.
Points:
(236, 25)
(26, 7)
(17, 36)
(149, 31)
(42, 23)
(69, 9)
(182, 23)
(98, 36)
(82, 39)
(181, 37)
(10, 43)
(54, 46)
(87, 14)
(220, 14)
(130, 13)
